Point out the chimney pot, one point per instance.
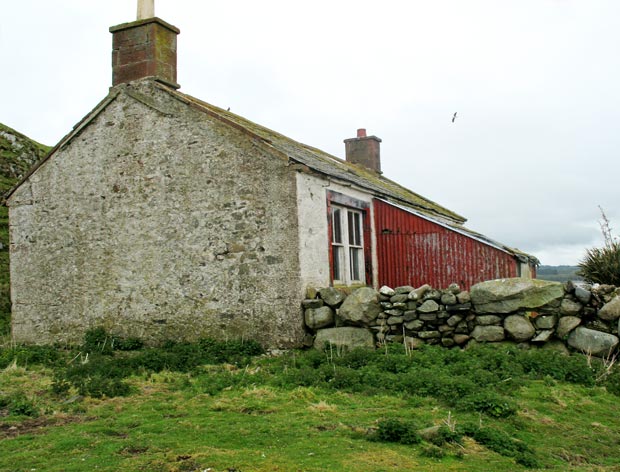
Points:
(361, 133)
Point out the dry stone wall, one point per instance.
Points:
(532, 313)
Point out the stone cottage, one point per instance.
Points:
(162, 216)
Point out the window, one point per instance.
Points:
(347, 245)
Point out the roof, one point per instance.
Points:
(307, 156)
(324, 163)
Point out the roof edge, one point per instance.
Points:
(102, 105)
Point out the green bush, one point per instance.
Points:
(500, 442)
(602, 265)
(100, 341)
(433, 451)
(97, 377)
(612, 383)
(489, 403)
(18, 405)
(29, 355)
(446, 435)
(397, 431)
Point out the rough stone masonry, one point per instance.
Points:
(532, 313)
(159, 222)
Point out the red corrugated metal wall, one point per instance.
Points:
(414, 251)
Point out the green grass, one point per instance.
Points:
(252, 414)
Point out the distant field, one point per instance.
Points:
(558, 273)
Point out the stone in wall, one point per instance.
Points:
(545, 322)
(589, 341)
(511, 295)
(361, 307)
(519, 328)
(331, 296)
(317, 318)
(419, 292)
(488, 333)
(566, 325)
(570, 307)
(611, 310)
(488, 320)
(429, 306)
(583, 295)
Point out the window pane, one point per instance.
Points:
(356, 264)
(351, 227)
(358, 229)
(338, 263)
(336, 226)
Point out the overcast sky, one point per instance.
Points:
(533, 151)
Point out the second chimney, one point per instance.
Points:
(364, 150)
(145, 48)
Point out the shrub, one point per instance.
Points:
(489, 403)
(446, 435)
(28, 355)
(432, 451)
(19, 405)
(500, 442)
(100, 376)
(543, 363)
(612, 383)
(602, 265)
(397, 431)
(98, 340)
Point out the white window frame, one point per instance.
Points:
(347, 240)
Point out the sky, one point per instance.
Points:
(530, 158)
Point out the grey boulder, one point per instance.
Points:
(361, 307)
(488, 333)
(593, 342)
(510, 295)
(316, 318)
(519, 328)
(611, 310)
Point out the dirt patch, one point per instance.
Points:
(37, 425)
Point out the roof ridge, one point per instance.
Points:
(363, 178)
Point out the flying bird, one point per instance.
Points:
(453, 117)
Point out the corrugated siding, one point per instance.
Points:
(414, 251)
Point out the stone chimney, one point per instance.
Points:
(364, 150)
(144, 48)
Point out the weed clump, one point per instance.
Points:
(489, 403)
(505, 445)
(98, 370)
(397, 431)
(18, 405)
(602, 265)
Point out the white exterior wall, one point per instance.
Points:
(313, 228)
(526, 270)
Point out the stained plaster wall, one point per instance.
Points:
(313, 227)
(157, 224)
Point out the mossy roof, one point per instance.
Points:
(326, 164)
(308, 156)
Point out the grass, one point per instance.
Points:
(242, 413)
